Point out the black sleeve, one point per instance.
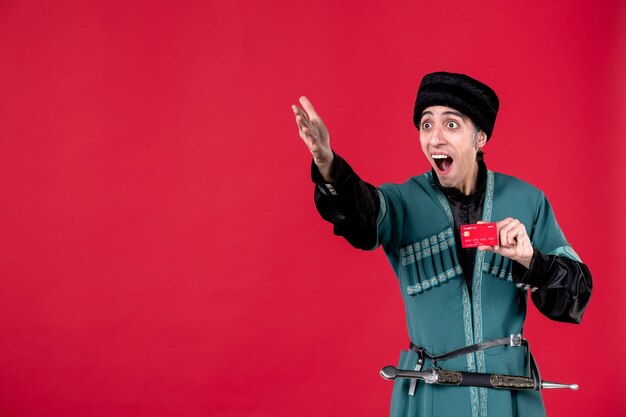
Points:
(349, 203)
(561, 286)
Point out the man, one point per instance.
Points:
(470, 299)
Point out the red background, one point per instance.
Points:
(160, 254)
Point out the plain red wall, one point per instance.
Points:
(160, 254)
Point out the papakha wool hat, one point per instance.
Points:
(460, 92)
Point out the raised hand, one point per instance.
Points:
(514, 241)
(315, 136)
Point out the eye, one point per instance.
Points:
(426, 125)
(452, 125)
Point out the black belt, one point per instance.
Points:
(513, 340)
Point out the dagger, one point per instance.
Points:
(471, 379)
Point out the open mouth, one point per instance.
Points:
(443, 162)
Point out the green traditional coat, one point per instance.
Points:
(416, 230)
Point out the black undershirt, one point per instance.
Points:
(466, 209)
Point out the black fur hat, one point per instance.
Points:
(460, 92)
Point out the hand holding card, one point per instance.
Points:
(511, 241)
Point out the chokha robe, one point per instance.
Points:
(415, 227)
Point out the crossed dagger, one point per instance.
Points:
(472, 379)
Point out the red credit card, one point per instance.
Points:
(484, 234)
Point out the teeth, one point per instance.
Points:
(439, 156)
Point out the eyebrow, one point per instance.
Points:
(448, 112)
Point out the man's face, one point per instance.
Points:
(449, 141)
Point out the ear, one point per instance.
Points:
(481, 139)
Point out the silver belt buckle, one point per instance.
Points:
(516, 340)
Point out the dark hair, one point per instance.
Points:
(480, 155)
